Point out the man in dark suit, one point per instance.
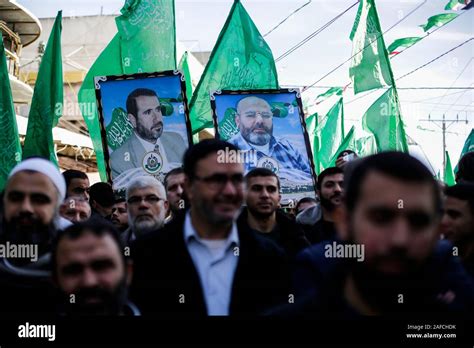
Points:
(201, 263)
(144, 113)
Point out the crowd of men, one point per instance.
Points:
(381, 236)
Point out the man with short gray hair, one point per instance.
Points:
(146, 205)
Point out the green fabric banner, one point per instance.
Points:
(468, 147)
(240, 60)
(448, 170)
(329, 93)
(184, 67)
(47, 103)
(133, 49)
(383, 120)
(331, 133)
(405, 42)
(10, 148)
(438, 20)
(370, 66)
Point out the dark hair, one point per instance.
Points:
(261, 172)
(102, 193)
(175, 171)
(201, 150)
(463, 191)
(98, 226)
(73, 174)
(327, 172)
(397, 165)
(305, 200)
(347, 151)
(466, 168)
(132, 99)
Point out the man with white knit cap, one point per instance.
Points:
(33, 193)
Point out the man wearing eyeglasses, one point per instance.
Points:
(392, 210)
(200, 263)
(254, 118)
(147, 207)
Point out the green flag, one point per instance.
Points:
(455, 5)
(10, 148)
(448, 172)
(147, 35)
(184, 67)
(47, 103)
(468, 147)
(331, 133)
(311, 124)
(405, 42)
(315, 146)
(366, 146)
(438, 20)
(383, 120)
(133, 49)
(329, 93)
(370, 66)
(240, 60)
(347, 143)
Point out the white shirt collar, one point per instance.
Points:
(190, 233)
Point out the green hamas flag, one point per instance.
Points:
(405, 42)
(438, 20)
(10, 148)
(311, 123)
(448, 172)
(47, 104)
(456, 5)
(366, 146)
(347, 143)
(315, 146)
(468, 147)
(329, 93)
(133, 49)
(240, 60)
(370, 67)
(147, 36)
(331, 133)
(383, 120)
(184, 67)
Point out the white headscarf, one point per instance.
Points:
(45, 167)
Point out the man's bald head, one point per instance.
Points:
(244, 103)
(254, 119)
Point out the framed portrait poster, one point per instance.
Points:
(145, 124)
(268, 128)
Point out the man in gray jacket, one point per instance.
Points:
(149, 147)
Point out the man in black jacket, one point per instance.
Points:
(390, 260)
(262, 214)
(201, 263)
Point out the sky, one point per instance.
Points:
(198, 24)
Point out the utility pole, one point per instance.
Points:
(444, 125)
